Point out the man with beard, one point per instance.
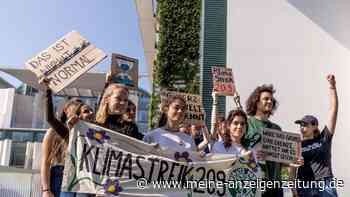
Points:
(260, 106)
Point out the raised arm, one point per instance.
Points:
(57, 125)
(333, 112)
(213, 113)
(206, 137)
(107, 82)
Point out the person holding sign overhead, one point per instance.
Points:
(218, 123)
(316, 149)
(55, 142)
(81, 111)
(223, 85)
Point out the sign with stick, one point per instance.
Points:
(65, 61)
(283, 147)
(223, 83)
(194, 112)
(124, 70)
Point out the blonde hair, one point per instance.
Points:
(102, 112)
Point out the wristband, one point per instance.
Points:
(45, 190)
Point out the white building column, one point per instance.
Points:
(5, 155)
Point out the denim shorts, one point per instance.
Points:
(56, 175)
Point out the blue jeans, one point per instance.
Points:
(308, 192)
(275, 192)
(56, 176)
(325, 191)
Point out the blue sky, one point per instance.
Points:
(28, 27)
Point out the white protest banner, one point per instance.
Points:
(223, 83)
(101, 161)
(195, 112)
(281, 146)
(65, 61)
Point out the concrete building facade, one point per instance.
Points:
(293, 45)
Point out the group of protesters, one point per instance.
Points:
(238, 135)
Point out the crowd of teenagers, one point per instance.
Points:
(238, 134)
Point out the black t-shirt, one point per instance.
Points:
(317, 154)
(115, 122)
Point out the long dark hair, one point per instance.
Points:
(73, 101)
(163, 117)
(231, 116)
(59, 144)
(253, 99)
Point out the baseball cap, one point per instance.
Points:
(308, 119)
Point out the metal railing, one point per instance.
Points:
(17, 178)
(20, 139)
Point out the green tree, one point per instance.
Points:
(177, 63)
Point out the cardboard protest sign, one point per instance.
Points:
(65, 61)
(101, 161)
(223, 83)
(284, 147)
(195, 112)
(124, 70)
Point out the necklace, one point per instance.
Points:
(176, 138)
(181, 142)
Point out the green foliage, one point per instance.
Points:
(177, 64)
(284, 173)
(153, 113)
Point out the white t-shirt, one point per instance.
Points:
(233, 149)
(176, 141)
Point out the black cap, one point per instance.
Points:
(308, 119)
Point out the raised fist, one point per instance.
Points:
(331, 80)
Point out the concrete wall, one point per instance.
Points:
(23, 109)
(274, 42)
(6, 106)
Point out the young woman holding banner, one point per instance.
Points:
(114, 104)
(55, 143)
(236, 128)
(316, 150)
(168, 134)
(218, 123)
